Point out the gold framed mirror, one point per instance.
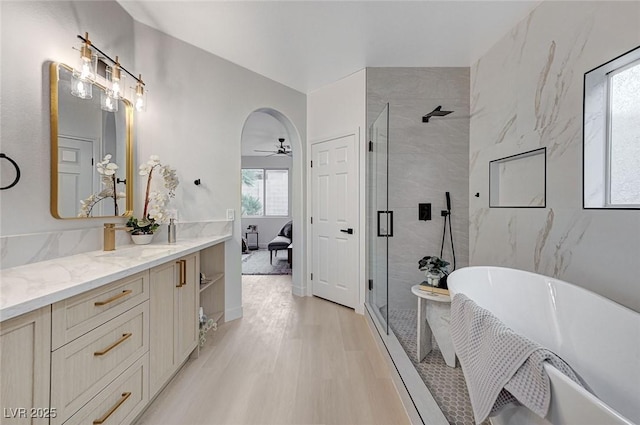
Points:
(91, 150)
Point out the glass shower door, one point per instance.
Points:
(379, 218)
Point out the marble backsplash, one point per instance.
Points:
(527, 93)
(19, 250)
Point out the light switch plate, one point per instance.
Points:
(231, 214)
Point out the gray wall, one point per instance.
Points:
(526, 93)
(47, 30)
(194, 122)
(425, 161)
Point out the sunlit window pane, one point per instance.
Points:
(252, 192)
(265, 192)
(625, 136)
(277, 188)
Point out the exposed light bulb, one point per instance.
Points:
(117, 80)
(140, 96)
(80, 88)
(116, 89)
(88, 61)
(85, 73)
(107, 102)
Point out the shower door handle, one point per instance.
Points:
(384, 232)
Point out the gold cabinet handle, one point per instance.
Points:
(114, 298)
(104, 417)
(114, 345)
(183, 273)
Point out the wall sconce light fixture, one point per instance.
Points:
(85, 74)
(87, 64)
(117, 80)
(140, 97)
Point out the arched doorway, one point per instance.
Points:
(260, 139)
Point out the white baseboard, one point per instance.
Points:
(232, 314)
(297, 291)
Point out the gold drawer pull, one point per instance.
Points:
(114, 345)
(115, 297)
(124, 398)
(183, 273)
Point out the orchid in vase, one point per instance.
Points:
(107, 171)
(155, 201)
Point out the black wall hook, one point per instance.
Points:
(197, 182)
(15, 181)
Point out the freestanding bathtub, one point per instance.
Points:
(597, 337)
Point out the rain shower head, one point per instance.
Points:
(438, 112)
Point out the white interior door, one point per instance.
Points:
(75, 174)
(335, 228)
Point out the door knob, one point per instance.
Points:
(349, 231)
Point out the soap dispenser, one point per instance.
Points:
(172, 230)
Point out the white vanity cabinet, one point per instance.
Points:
(174, 313)
(25, 346)
(101, 334)
(101, 353)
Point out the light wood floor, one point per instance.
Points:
(289, 360)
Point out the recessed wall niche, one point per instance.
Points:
(519, 181)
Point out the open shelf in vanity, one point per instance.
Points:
(212, 285)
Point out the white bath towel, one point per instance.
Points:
(499, 365)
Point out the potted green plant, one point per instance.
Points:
(434, 269)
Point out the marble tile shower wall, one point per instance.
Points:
(425, 161)
(19, 250)
(526, 93)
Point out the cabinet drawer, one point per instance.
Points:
(78, 315)
(83, 367)
(121, 401)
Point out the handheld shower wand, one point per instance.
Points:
(447, 217)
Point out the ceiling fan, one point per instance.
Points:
(280, 150)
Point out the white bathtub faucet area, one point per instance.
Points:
(597, 337)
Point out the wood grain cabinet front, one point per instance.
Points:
(174, 288)
(121, 401)
(83, 367)
(101, 356)
(25, 349)
(78, 315)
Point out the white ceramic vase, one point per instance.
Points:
(433, 279)
(142, 239)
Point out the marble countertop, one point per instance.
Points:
(32, 286)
